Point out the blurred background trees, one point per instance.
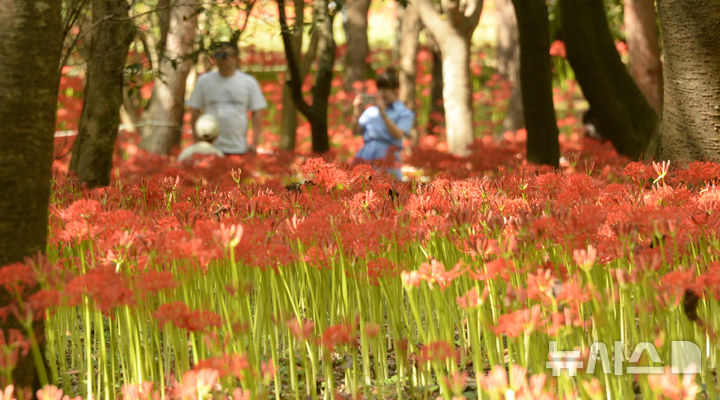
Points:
(168, 42)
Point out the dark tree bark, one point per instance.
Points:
(163, 120)
(93, 149)
(452, 28)
(289, 113)
(30, 44)
(410, 27)
(536, 81)
(691, 109)
(436, 91)
(508, 55)
(316, 113)
(644, 49)
(624, 115)
(356, 27)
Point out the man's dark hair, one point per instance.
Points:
(231, 45)
(387, 80)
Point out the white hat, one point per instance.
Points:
(206, 127)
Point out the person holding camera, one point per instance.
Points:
(383, 124)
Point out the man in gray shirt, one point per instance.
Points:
(229, 94)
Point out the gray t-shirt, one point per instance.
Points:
(229, 100)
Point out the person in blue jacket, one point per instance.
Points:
(383, 124)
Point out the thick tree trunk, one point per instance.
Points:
(410, 27)
(644, 50)
(536, 81)
(452, 30)
(289, 125)
(624, 115)
(457, 95)
(436, 93)
(317, 112)
(163, 120)
(508, 55)
(93, 149)
(691, 108)
(30, 44)
(323, 78)
(356, 27)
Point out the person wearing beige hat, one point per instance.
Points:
(206, 132)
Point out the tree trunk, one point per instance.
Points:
(508, 55)
(536, 81)
(691, 108)
(356, 27)
(93, 149)
(457, 95)
(289, 126)
(410, 27)
(316, 113)
(644, 50)
(436, 92)
(30, 44)
(624, 115)
(164, 118)
(452, 30)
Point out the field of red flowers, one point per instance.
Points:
(288, 276)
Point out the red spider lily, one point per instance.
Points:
(51, 392)
(229, 236)
(437, 351)
(180, 315)
(107, 288)
(585, 258)
(710, 280)
(338, 334)
(142, 391)
(151, 281)
(44, 300)
(196, 384)
(411, 278)
(435, 272)
(493, 269)
(672, 387)
(381, 268)
(519, 322)
(17, 277)
(673, 285)
(557, 48)
(471, 299)
(540, 285)
(11, 349)
(7, 393)
(267, 370)
(241, 394)
(227, 365)
(457, 381)
(372, 330)
(519, 386)
(301, 330)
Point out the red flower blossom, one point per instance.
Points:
(437, 351)
(339, 334)
(180, 315)
(519, 322)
